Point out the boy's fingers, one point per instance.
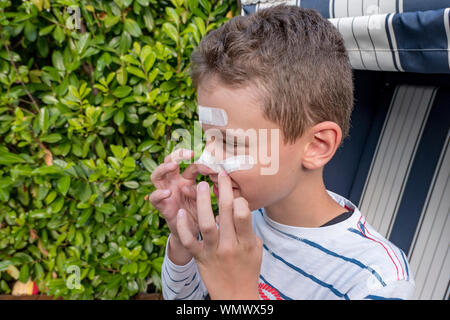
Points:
(185, 235)
(189, 191)
(191, 172)
(242, 217)
(218, 220)
(194, 169)
(179, 155)
(159, 173)
(227, 232)
(158, 195)
(206, 222)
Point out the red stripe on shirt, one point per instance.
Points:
(403, 271)
(398, 277)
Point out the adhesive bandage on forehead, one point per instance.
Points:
(212, 116)
(231, 164)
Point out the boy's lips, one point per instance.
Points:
(216, 189)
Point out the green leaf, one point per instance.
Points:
(85, 192)
(46, 30)
(30, 30)
(83, 42)
(148, 20)
(149, 164)
(119, 117)
(10, 158)
(122, 91)
(4, 265)
(63, 185)
(107, 208)
(58, 34)
(49, 99)
(145, 145)
(114, 163)
(149, 121)
(100, 148)
(124, 42)
(130, 59)
(132, 27)
(129, 162)
(171, 12)
(4, 287)
(136, 71)
(24, 273)
(60, 260)
(57, 205)
(157, 263)
(50, 197)
(110, 21)
(79, 238)
(118, 151)
(131, 184)
(13, 271)
(122, 76)
(171, 31)
(11, 56)
(168, 85)
(81, 220)
(149, 61)
(206, 5)
(44, 119)
(51, 138)
(200, 23)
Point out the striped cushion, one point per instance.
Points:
(390, 35)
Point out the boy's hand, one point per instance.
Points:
(229, 259)
(175, 190)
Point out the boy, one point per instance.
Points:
(280, 235)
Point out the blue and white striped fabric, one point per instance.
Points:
(389, 35)
(346, 260)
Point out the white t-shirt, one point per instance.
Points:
(346, 260)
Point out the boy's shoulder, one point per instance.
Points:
(374, 249)
(391, 276)
(379, 268)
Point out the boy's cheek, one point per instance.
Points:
(252, 186)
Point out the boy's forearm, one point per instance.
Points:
(177, 253)
(179, 273)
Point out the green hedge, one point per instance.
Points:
(87, 108)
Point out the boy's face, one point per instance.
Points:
(265, 183)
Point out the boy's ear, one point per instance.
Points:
(322, 141)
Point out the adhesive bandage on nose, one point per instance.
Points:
(212, 116)
(240, 162)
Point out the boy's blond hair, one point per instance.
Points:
(294, 57)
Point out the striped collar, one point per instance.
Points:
(318, 231)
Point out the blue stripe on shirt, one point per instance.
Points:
(195, 289)
(310, 276)
(406, 264)
(167, 271)
(334, 254)
(374, 297)
(355, 231)
(163, 279)
(186, 284)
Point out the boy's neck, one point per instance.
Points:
(308, 205)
